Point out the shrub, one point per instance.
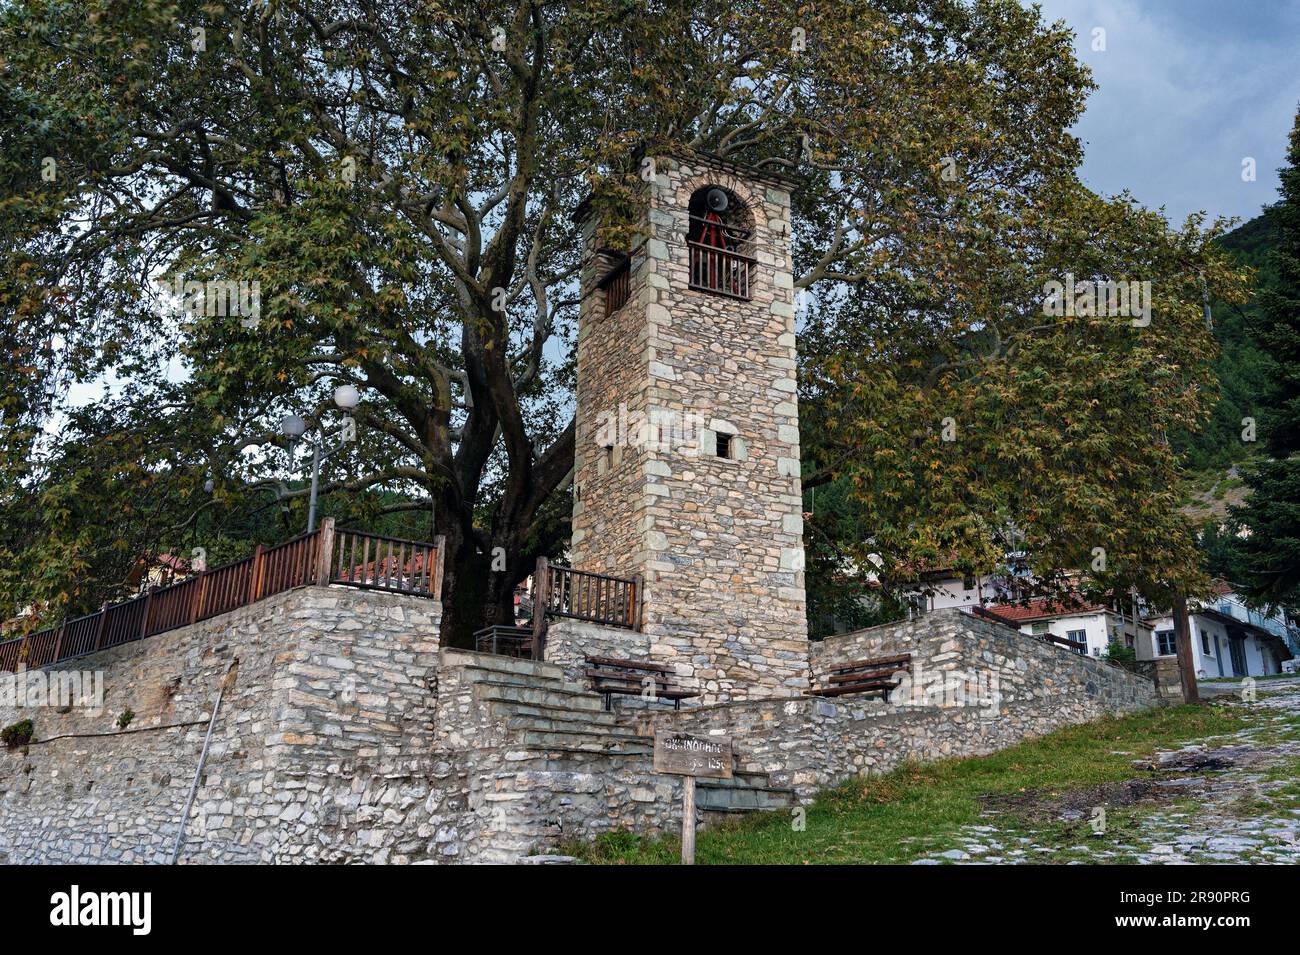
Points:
(125, 719)
(19, 734)
(1116, 652)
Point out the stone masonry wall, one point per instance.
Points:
(951, 649)
(347, 735)
(516, 798)
(718, 541)
(1169, 681)
(320, 749)
(811, 742)
(569, 642)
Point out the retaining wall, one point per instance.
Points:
(975, 687)
(347, 735)
(322, 740)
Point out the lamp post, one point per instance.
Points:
(293, 427)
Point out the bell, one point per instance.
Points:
(716, 200)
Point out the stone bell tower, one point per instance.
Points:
(688, 427)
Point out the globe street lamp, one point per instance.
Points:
(293, 427)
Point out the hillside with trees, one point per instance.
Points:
(1261, 549)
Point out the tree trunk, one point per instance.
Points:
(473, 594)
(1183, 645)
(525, 521)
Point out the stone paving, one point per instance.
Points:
(1227, 800)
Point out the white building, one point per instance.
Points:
(947, 591)
(1228, 639)
(1086, 629)
(1276, 623)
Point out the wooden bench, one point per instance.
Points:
(866, 676)
(629, 678)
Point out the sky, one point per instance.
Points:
(1188, 89)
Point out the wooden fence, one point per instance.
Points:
(387, 563)
(582, 595)
(325, 556)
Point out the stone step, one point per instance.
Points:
(570, 759)
(494, 663)
(562, 721)
(623, 744)
(714, 798)
(526, 683)
(532, 694)
(741, 780)
(596, 717)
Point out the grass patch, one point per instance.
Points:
(918, 809)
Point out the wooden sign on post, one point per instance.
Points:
(680, 754)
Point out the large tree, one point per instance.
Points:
(398, 177)
(1264, 557)
(974, 421)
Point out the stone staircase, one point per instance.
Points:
(541, 711)
(743, 792)
(561, 757)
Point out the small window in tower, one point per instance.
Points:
(725, 445)
(616, 284)
(721, 243)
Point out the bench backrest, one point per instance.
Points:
(613, 663)
(900, 661)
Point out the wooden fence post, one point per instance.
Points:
(439, 565)
(144, 617)
(201, 593)
(99, 627)
(58, 642)
(325, 558)
(255, 573)
(640, 601)
(541, 597)
(688, 820)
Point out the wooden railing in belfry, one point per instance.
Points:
(582, 595)
(718, 270)
(322, 557)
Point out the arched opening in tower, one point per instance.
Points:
(720, 239)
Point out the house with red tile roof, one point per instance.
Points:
(1085, 627)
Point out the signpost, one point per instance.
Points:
(680, 754)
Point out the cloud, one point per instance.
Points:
(1188, 89)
